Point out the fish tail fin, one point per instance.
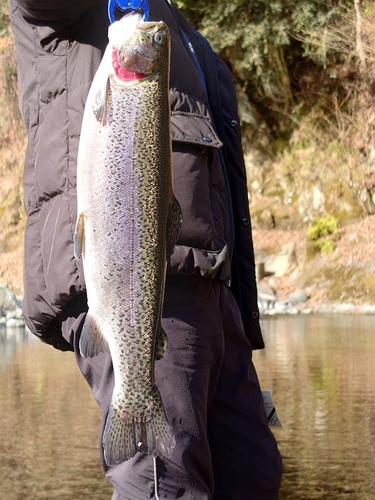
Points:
(160, 439)
(124, 437)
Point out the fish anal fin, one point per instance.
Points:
(92, 341)
(174, 220)
(79, 236)
(161, 344)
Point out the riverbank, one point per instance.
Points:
(340, 281)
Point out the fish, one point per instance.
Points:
(128, 221)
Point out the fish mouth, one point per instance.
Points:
(125, 75)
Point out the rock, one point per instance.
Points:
(261, 272)
(293, 311)
(15, 314)
(283, 261)
(297, 297)
(366, 309)
(10, 311)
(15, 323)
(323, 309)
(336, 308)
(345, 308)
(307, 310)
(8, 301)
(269, 213)
(281, 307)
(266, 297)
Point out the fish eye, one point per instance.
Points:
(158, 38)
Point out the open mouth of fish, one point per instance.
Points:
(125, 75)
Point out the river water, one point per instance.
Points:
(322, 373)
(320, 369)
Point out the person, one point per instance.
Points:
(224, 447)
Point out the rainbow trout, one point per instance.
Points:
(128, 223)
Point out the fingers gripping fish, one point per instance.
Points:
(128, 223)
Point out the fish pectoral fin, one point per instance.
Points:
(100, 103)
(92, 341)
(79, 234)
(161, 344)
(174, 220)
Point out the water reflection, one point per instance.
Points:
(9, 338)
(49, 431)
(322, 374)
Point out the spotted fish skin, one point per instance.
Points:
(128, 222)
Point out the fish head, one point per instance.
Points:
(139, 49)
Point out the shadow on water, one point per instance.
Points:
(322, 373)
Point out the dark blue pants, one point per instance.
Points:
(224, 447)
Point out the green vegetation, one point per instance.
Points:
(322, 227)
(260, 39)
(321, 233)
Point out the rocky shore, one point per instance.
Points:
(10, 308)
(293, 278)
(298, 302)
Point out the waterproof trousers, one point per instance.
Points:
(224, 447)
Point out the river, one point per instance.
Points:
(322, 373)
(320, 369)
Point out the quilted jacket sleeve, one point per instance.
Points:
(59, 45)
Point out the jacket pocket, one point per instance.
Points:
(194, 129)
(199, 186)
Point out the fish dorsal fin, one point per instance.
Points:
(92, 341)
(173, 225)
(100, 103)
